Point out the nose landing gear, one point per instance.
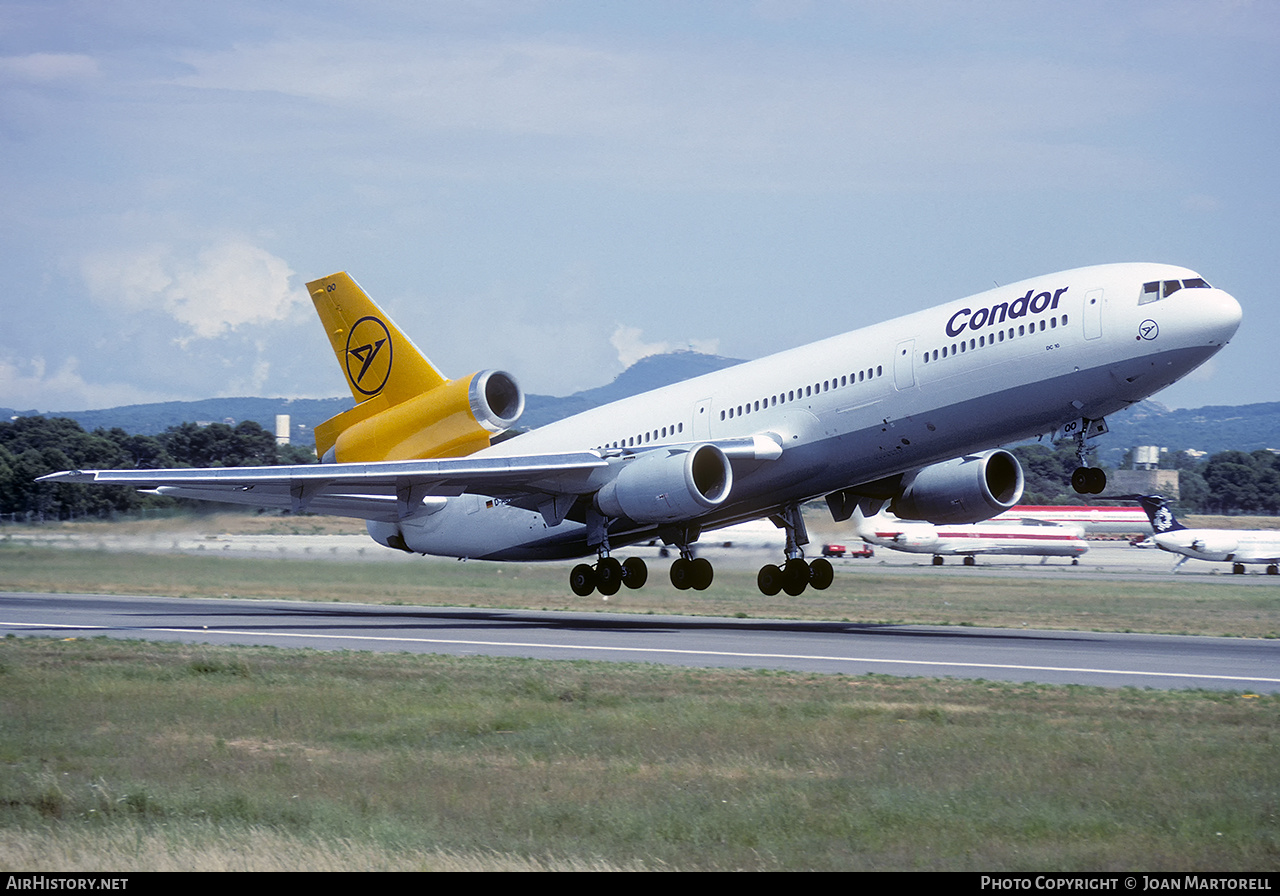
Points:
(1087, 480)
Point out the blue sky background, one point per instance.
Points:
(558, 188)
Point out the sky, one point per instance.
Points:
(558, 189)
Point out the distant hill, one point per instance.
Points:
(306, 413)
(1215, 428)
(1210, 429)
(149, 419)
(648, 373)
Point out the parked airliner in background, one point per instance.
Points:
(1005, 539)
(906, 413)
(1094, 520)
(1234, 546)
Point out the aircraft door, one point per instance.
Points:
(701, 428)
(1093, 314)
(904, 376)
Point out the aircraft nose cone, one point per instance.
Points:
(1222, 315)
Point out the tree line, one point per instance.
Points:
(1227, 482)
(31, 447)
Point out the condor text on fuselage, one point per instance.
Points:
(968, 319)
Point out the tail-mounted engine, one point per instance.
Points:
(969, 489)
(454, 419)
(666, 486)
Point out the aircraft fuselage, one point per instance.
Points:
(1008, 364)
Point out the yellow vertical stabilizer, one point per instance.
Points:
(375, 357)
(405, 408)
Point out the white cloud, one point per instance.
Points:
(29, 384)
(719, 117)
(40, 68)
(223, 287)
(631, 348)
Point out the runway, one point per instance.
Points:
(1051, 657)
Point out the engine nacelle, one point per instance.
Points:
(662, 487)
(452, 420)
(969, 489)
(1214, 546)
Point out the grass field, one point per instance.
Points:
(138, 756)
(131, 755)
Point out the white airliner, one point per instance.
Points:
(968, 541)
(1234, 546)
(1092, 519)
(905, 413)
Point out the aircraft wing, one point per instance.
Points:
(395, 490)
(388, 490)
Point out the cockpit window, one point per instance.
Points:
(1156, 290)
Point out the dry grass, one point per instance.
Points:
(133, 756)
(213, 848)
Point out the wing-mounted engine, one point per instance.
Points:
(969, 489)
(454, 419)
(665, 486)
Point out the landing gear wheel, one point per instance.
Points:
(1089, 480)
(1273, 569)
(682, 574)
(582, 580)
(1237, 569)
(938, 561)
(608, 576)
(702, 573)
(821, 574)
(1080, 480)
(969, 561)
(795, 577)
(769, 580)
(634, 572)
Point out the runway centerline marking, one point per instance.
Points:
(669, 651)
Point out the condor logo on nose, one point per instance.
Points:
(369, 355)
(967, 318)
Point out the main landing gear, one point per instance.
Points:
(795, 575)
(690, 571)
(608, 575)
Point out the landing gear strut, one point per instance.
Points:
(1087, 480)
(795, 575)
